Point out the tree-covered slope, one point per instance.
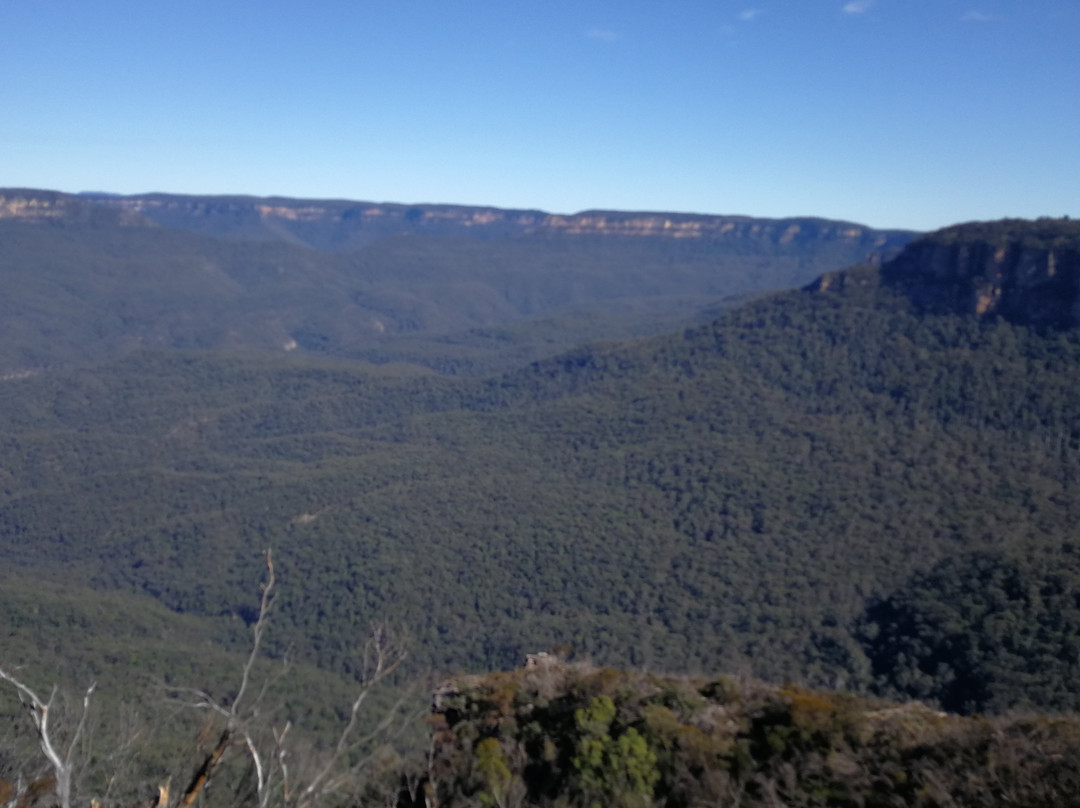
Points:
(984, 632)
(85, 281)
(726, 496)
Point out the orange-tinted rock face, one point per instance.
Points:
(34, 206)
(384, 219)
(17, 206)
(1007, 271)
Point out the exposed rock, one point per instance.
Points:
(53, 207)
(340, 224)
(541, 661)
(1025, 272)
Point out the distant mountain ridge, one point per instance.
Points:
(459, 289)
(345, 224)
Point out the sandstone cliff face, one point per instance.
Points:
(51, 206)
(338, 224)
(1025, 272)
(344, 225)
(16, 205)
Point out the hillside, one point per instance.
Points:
(461, 290)
(983, 632)
(733, 496)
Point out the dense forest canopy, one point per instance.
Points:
(986, 632)
(727, 496)
(869, 482)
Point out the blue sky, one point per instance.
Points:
(894, 113)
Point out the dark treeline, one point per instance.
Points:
(730, 497)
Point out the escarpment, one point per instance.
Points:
(1025, 272)
(345, 224)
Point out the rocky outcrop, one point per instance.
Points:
(1025, 272)
(585, 735)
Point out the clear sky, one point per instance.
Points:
(893, 113)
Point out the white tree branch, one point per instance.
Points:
(381, 659)
(39, 716)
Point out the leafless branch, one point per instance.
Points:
(260, 626)
(279, 777)
(279, 745)
(206, 770)
(381, 658)
(39, 717)
(236, 724)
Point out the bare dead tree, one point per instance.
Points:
(60, 760)
(268, 747)
(280, 782)
(381, 657)
(237, 723)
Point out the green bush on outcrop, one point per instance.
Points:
(619, 770)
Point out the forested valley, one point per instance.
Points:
(865, 484)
